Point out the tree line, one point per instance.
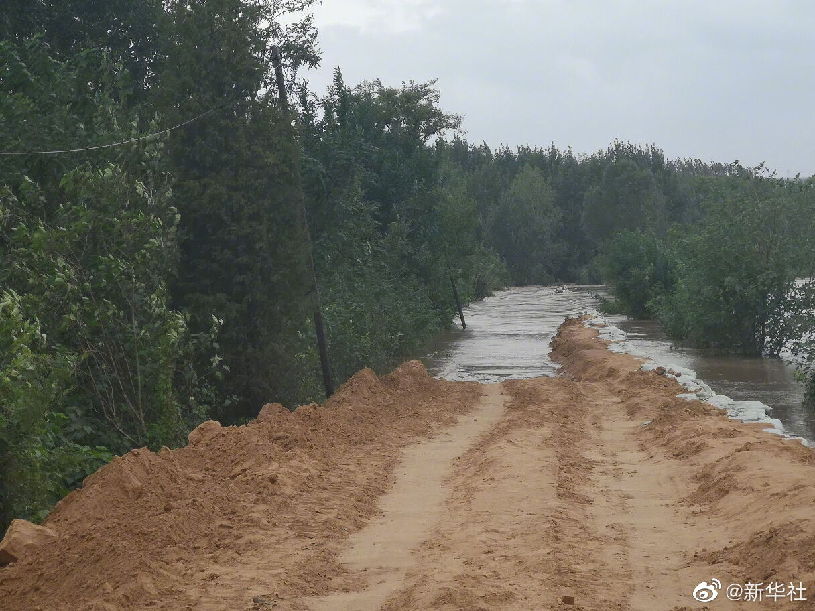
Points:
(147, 287)
(737, 276)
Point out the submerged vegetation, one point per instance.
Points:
(148, 286)
(738, 277)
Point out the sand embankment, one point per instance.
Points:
(595, 490)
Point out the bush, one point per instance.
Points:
(638, 269)
(38, 464)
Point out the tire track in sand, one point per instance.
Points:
(383, 551)
(519, 532)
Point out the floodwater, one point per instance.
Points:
(508, 335)
(771, 381)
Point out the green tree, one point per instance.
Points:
(638, 270)
(523, 226)
(31, 384)
(235, 185)
(392, 220)
(627, 197)
(736, 277)
(87, 243)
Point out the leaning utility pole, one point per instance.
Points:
(458, 301)
(319, 328)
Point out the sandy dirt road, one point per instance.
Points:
(598, 489)
(558, 503)
(570, 500)
(383, 551)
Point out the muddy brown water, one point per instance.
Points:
(508, 335)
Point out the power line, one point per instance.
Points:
(114, 144)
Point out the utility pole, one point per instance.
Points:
(458, 301)
(317, 315)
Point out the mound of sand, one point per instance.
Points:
(176, 529)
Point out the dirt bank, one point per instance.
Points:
(254, 511)
(742, 499)
(596, 490)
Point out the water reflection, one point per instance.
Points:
(508, 336)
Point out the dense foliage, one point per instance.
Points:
(738, 277)
(149, 286)
(731, 278)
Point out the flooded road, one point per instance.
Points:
(508, 336)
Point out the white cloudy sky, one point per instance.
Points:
(715, 79)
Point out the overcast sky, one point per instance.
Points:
(714, 79)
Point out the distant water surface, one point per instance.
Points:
(508, 335)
